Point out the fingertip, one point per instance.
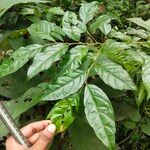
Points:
(49, 122)
(51, 128)
(45, 138)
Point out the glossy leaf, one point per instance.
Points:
(138, 56)
(117, 52)
(65, 86)
(18, 59)
(77, 53)
(121, 36)
(62, 113)
(146, 76)
(114, 75)
(72, 26)
(102, 22)
(141, 33)
(112, 45)
(140, 22)
(56, 10)
(44, 59)
(46, 31)
(100, 115)
(88, 11)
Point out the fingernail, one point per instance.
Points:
(49, 122)
(51, 128)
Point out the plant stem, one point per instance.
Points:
(94, 61)
(132, 132)
(80, 43)
(92, 37)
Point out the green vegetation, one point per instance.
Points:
(83, 64)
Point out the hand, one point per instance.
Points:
(39, 134)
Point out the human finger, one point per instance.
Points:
(45, 138)
(32, 128)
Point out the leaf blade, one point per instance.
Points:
(18, 59)
(146, 76)
(64, 86)
(141, 22)
(74, 60)
(100, 115)
(114, 75)
(44, 60)
(72, 26)
(62, 113)
(16, 107)
(101, 23)
(87, 11)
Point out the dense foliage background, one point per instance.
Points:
(83, 64)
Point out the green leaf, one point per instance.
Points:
(141, 94)
(11, 106)
(18, 59)
(83, 137)
(46, 31)
(72, 26)
(135, 115)
(65, 86)
(120, 36)
(129, 124)
(62, 113)
(140, 22)
(56, 10)
(88, 11)
(112, 45)
(6, 4)
(44, 59)
(138, 55)
(121, 111)
(10, 84)
(27, 11)
(141, 33)
(117, 52)
(28, 100)
(146, 128)
(146, 76)
(100, 115)
(114, 75)
(16, 43)
(102, 22)
(77, 53)
(106, 28)
(21, 105)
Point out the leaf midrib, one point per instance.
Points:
(104, 68)
(67, 83)
(98, 113)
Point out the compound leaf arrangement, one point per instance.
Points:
(82, 62)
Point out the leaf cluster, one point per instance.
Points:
(87, 61)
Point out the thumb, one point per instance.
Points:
(45, 138)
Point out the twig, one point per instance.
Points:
(132, 132)
(80, 43)
(92, 37)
